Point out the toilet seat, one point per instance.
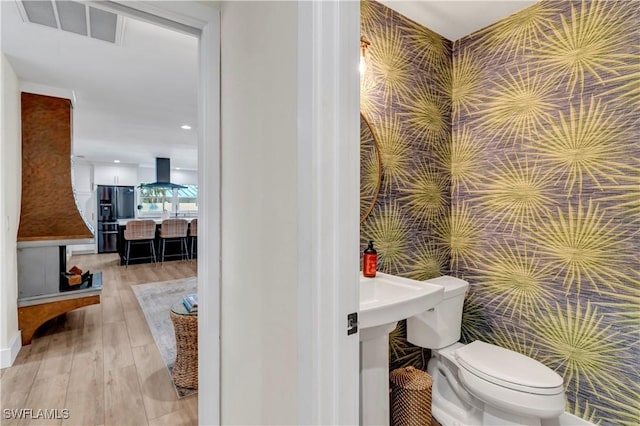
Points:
(508, 369)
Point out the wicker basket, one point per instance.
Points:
(185, 369)
(410, 397)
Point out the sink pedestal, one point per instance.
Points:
(385, 300)
(374, 374)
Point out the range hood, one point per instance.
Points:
(163, 176)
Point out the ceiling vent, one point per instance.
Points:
(73, 17)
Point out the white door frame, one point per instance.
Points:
(204, 21)
(328, 210)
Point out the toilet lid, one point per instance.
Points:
(508, 368)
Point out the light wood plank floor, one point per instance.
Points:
(100, 362)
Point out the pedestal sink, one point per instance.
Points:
(385, 300)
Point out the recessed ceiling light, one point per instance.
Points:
(116, 161)
(185, 127)
(177, 168)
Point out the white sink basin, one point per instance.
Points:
(387, 299)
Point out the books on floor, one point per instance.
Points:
(190, 302)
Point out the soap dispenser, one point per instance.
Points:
(370, 261)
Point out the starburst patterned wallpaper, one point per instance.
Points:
(530, 191)
(405, 98)
(404, 94)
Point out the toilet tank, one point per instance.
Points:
(440, 326)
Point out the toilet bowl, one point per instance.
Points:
(480, 383)
(510, 381)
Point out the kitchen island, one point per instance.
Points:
(140, 252)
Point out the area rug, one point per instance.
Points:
(156, 300)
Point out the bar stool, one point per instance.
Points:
(140, 231)
(193, 235)
(174, 230)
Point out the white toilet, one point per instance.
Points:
(480, 383)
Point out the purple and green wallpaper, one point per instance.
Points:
(511, 158)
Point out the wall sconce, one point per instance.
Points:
(364, 44)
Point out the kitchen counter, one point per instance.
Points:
(140, 252)
(157, 220)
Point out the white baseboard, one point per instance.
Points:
(8, 355)
(83, 249)
(75, 252)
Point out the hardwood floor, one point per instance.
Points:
(100, 362)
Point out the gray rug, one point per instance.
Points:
(156, 300)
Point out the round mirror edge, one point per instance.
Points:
(377, 191)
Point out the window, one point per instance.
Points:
(156, 201)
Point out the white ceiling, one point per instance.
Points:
(131, 99)
(454, 19)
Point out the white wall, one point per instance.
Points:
(181, 177)
(10, 181)
(259, 208)
(131, 174)
(82, 179)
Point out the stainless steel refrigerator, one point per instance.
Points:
(114, 202)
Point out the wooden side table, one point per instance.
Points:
(185, 369)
